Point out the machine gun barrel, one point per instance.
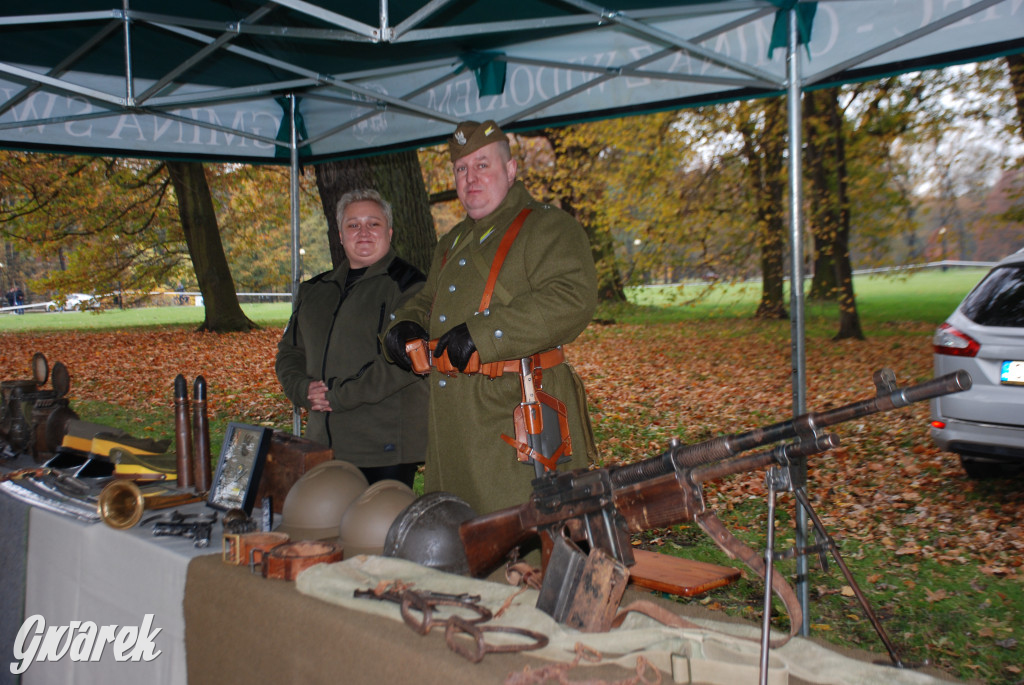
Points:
(805, 425)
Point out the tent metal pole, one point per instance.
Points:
(129, 76)
(293, 147)
(796, 303)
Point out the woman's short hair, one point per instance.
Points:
(364, 195)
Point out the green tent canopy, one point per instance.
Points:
(206, 79)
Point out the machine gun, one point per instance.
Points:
(602, 507)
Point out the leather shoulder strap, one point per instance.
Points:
(499, 257)
(729, 544)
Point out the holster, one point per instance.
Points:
(552, 427)
(421, 354)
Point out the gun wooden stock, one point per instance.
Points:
(489, 538)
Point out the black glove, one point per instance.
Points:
(395, 340)
(459, 345)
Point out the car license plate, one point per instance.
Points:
(1012, 373)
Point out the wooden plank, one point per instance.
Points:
(677, 576)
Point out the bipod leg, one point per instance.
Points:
(769, 567)
(824, 537)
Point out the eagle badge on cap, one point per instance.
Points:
(460, 137)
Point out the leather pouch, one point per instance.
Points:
(544, 438)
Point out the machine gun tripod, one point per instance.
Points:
(779, 478)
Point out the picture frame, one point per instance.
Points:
(239, 467)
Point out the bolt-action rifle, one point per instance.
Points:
(602, 507)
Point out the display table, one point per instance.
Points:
(14, 542)
(243, 628)
(92, 572)
(219, 623)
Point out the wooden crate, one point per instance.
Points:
(288, 458)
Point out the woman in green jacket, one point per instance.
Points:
(329, 361)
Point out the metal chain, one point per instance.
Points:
(425, 602)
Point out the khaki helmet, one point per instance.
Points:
(427, 532)
(366, 523)
(315, 504)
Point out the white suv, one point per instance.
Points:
(985, 336)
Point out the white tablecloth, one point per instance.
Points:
(92, 572)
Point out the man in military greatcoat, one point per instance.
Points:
(543, 294)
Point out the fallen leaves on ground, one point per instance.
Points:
(887, 484)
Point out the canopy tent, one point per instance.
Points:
(234, 80)
(209, 79)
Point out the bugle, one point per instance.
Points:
(121, 503)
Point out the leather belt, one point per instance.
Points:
(421, 354)
(249, 548)
(288, 560)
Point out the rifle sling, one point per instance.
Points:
(729, 544)
(657, 612)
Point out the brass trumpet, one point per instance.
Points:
(121, 503)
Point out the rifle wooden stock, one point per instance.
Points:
(489, 538)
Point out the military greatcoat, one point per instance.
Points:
(545, 295)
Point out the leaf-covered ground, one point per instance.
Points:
(886, 491)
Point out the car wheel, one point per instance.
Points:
(980, 468)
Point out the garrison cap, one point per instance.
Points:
(470, 136)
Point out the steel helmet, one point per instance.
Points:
(315, 504)
(427, 532)
(366, 523)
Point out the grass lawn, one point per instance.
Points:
(264, 314)
(926, 296)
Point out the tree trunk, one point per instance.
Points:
(199, 222)
(765, 158)
(849, 318)
(397, 177)
(822, 218)
(1016, 65)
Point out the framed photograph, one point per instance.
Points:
(238, 471)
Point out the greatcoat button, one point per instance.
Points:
(498, 333)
